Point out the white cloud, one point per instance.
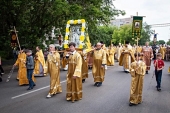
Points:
(156, 12)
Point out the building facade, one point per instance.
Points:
(120, 22)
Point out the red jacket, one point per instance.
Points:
(159, 64)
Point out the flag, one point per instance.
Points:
(137, 26)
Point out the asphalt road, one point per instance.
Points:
(112, 97)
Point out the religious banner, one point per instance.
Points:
(75, 32)
(13, 39)
(137, 26)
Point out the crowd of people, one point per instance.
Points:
(135, 60)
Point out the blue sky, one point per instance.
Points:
(156, 12)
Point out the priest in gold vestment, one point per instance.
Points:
(137, 71)
(118, 51)
(74, 74)
(111, 52)
(126, 57)
(39, 62)
(22, 71)
(53, 68)
(99, 62)
(162, 51)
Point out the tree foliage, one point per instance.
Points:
(124, 33)
(161, 42)
(168, 42)
(34, 18)
(115, 35)
(102, 33)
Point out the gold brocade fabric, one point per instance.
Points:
(134, 50)
(84, 66)
(53, 68)
(74, 86)
(139, 49)
(107, 53)
(64, 60)
(118, 52)
(22, 70)
(147, 55)
(169, 70)
(89, 59)
(137, 74)
(111, 53)
(39, 60)
(126, 58)
(162, 51)
(99, 58)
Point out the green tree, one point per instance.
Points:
(102, 33)
(161, 42)
(125, 33)
(146, 34)
(168, 42)
(35, 18)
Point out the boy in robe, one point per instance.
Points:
(137, 71)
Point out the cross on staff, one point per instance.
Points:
(136, 28)
(15, 31)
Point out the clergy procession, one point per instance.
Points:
(84, 56)
(135, 60)
(79, 61)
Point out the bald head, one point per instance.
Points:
(98, 45)
(147, 44)
(52, 47)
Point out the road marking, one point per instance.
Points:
(37, 90)
(34, 91)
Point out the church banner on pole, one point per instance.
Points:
(137, 26)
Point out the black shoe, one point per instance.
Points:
(29, 88)
(146, 72)
(158, 89)
(96, 84)
(34, 85)
(99, 84)
(131, 104)
(126, 71)
(83, 80)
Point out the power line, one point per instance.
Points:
(160, 25)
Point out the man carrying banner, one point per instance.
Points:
(111, 52)
(126, 57)
(99, 62)
(22, 71)
(74, 74)
(147, 56)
